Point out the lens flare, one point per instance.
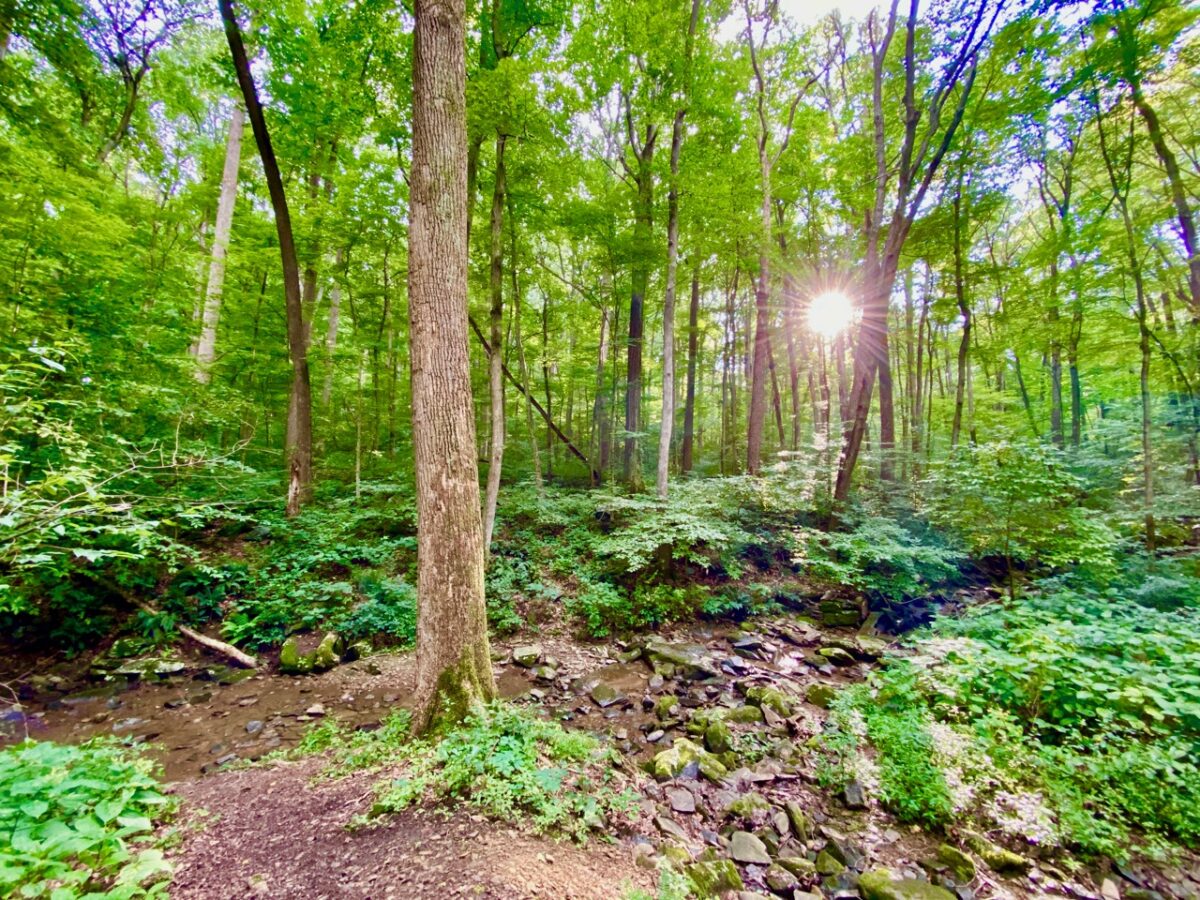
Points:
(830, 313)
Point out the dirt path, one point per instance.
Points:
(277, 832)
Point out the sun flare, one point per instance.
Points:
(830, 313)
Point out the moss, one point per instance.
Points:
(460, 688)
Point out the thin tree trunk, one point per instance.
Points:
(600, 420)
(689, 407)
(964, 309)
(206, 347)
(495, 360)
(335, 311)
(522, 367)
(454, 667)
(298, 443)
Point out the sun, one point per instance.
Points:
(830, 313)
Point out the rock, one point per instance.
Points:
(671, 828)
(125, 648)
(672, 763)
(689, 661)
(853, 796)
(717, 737)
(655, 736)
(714, 878)
(356, 651)
(821, 695)
(254, 726)
(643, 855)
(1109, 890)
(837, 656)
(666, 706)
(798, 866)
(881, 884)
(997, 858)
(527, 656)
(961, 866)
(780, 879)
(545, 674)
(681, 800)
(765, 696)
(743, 715)
(126, 725)
(801, 825)
(291, 661)
(604, 695)
(828, 864)
(746, 848)
(317, 709)
(746, 805)
(328, 653)
(836, 611)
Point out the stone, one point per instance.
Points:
(746, 848)
(837, 656)
(997, 858)
(666, 706)
(670, 827)
(853, 796)
(604, 695)
(743, 715)
(840, 612)
(961, 866)
(714, 878)
(747, 805)
(882, 884)
(799, 820)
(317, 709)
(291, 661)
(798, 866)
(655, 736)
(828, 864)
(689, 661)
(123, 725)
(766, 696)
(681, 800)
(527, 656)
(780, 879)
(254, 726)
(673, 762)
(717, 737)
(821, 695)
(544, 674)
(328, 653)
(1109, 890)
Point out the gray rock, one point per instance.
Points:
(682, 800)
(882, 884)
(780, 879)
(254, 726)
(527, 656)
(746, 848)
(689, 661)
(853, 796)
(605, 695)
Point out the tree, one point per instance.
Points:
(454, 667)
(298, 440)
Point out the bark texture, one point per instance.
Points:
(454, 669)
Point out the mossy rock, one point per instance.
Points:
(671, 763)
(291, 660)
(711, 879)
(837, 656)
(799, 820)
(748, 804)
(828, 864)
(881, 884)
(997, 858)
(717, 737)
(798, 866)
(771, 698)
(664, 705)
(961, 866)
(821, 695)
(328, 653)
(742, 715)
(780, 879)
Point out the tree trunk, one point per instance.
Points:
(454, 667)
(600, 420)
(495, 360)
(298, 443)
(758, 382)
(668, 378)
(206, 347)
(523, 368)
(642, 235)
(331, 333)
(964, 309)
(689, 406)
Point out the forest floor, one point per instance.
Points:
(278, 828)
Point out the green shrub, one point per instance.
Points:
(389, 612)
(75, 821)
(514, 766)
(602, 607)
(879, 557)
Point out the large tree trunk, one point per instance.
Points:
(454, 667)
(689, 406)
(298, 443)
(964, 309)
(206, 347)
(495, 358)
(331, 331)
(642, 235)
(759, 374)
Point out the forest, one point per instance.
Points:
(641, 449)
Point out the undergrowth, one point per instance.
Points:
(77, 821)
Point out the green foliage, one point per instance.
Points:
(75, 821)
(879, 557)
(1020, 502)
(356, 750)
(512, 765)
(389, 611)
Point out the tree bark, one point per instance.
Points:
(454, 667)
(964, 309)
(668, 378)
(331, 333)
(689, 407)
(495, 359)
(298, 442)
(206, 347)
(642, 235)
